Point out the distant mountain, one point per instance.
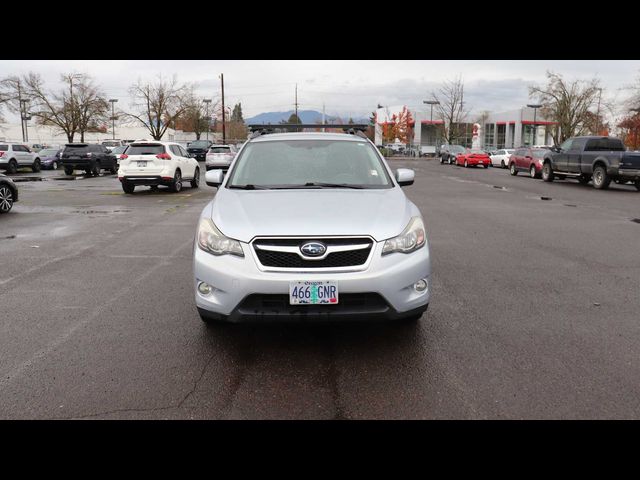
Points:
(306, 116)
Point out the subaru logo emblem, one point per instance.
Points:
(313, 249)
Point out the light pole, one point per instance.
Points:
(224, 133)
(432, 103)
(535, 107)
(113, 116)
(23, 116)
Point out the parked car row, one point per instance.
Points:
(596, 159)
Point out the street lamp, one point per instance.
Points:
(432, 103)
(535, 107)
(24, 117)
(207, 101)
(113, 115)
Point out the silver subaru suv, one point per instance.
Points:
(310, 226)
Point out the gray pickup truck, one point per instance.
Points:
(601, 159)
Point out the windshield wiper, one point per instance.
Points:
(249, 187)
(331, 185)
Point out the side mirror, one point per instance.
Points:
(214, 178)
(405, 176)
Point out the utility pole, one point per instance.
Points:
(224, 134)
(598, 114)
(296, 105)
(113, 116)
(21, 114)
(323, 117)
(207, 101)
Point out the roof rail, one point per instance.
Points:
(270, 128)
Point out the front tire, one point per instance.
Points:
(502, 165)
(637, 184)
(601, 179)
(512, 169)
(68, 171)
(532, 172)
(195, 183)
(95, 170)
(6, 199)
(37, 166)
(54, 166)
(547, 172)
(466, 164)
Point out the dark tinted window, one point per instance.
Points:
(199, 144)
(219, 150)
(183, 152)
(145, 149)
(4, 148)
(175, 150)
(578, 144)
(538, 153)
(605, 144)
(76, 149)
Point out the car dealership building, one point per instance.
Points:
(511, 129)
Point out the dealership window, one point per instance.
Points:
(501, 132)
(527, 135)
(489, 135)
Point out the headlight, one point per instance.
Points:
(410, 240)
(211, 240)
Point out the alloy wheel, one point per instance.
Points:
(6, 199)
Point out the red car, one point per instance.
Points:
(528, 160)
(473, 157)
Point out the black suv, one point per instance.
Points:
(88, 157)
(199, 148)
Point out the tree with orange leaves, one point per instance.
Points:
(631, 131)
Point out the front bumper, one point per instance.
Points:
(234, 279)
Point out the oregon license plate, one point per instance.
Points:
(313, 293)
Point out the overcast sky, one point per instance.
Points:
(346, 87)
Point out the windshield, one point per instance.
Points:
(49, 151)
(456, 149)
(119, 149)
(299, 163)
(476, 150)
(111, 144)
(198, 144)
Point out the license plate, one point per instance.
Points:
(313, 293)
(142, 164)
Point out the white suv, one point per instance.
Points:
(155, 163)
(14, 156)
(220, 156)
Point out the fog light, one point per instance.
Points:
(421, 285)
(204, 288)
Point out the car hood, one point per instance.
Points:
(243, 215)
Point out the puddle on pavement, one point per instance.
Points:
(28, 179)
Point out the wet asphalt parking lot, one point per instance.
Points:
(534, 313)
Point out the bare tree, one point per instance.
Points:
(158, 104)
(91, 104)
(568, 104)
(197, 114)
(12, 91)
(60, 109)
(451, 109)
